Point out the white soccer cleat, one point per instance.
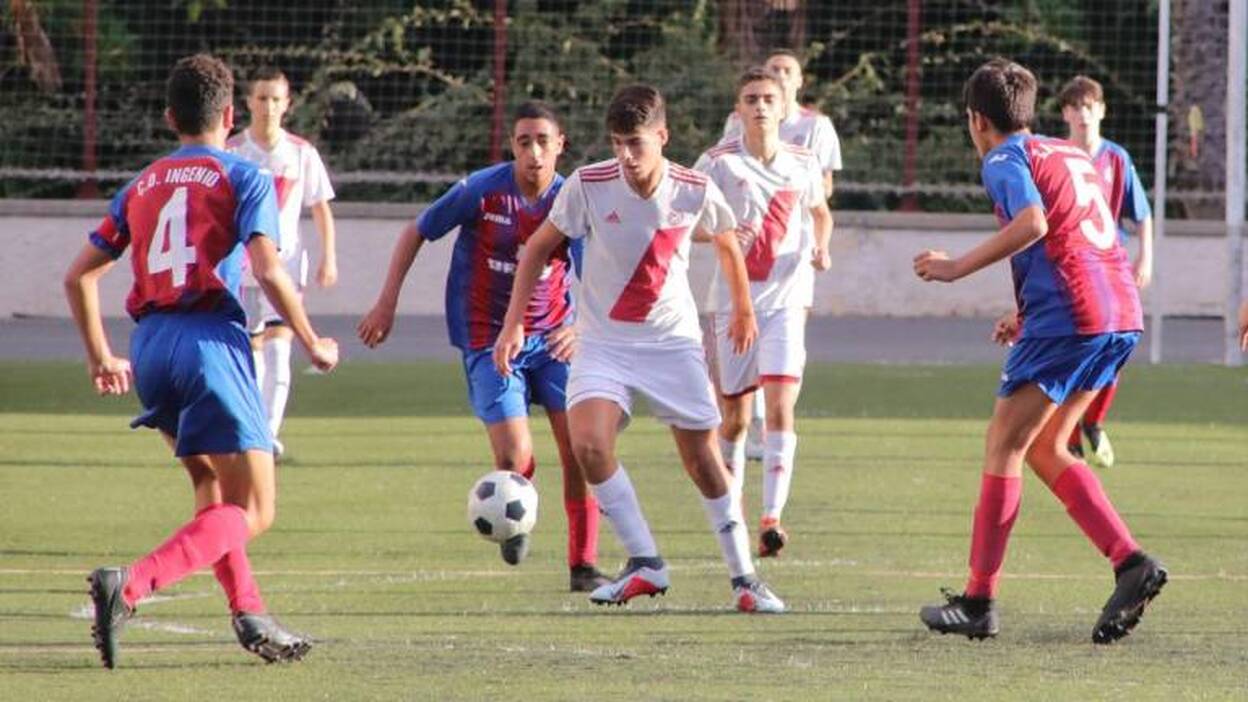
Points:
(635, 581)
(755, 596)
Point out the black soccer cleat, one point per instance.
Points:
(111, 612)
(264, 636)
(586, 578)
(973, 617)
(515, 549)
(1139, 580)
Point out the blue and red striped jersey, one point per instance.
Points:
(1126, 194)
(494, 221)
(1076, 279)
(187, 217)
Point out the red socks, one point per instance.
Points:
(1099, 407)
(1079, 489)
(582, 530)
(214, 532)
(233, 571)
(999, 498)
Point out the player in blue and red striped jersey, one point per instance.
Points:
(186, 219)
(1081, 318)
(1083, 109)
(496, 209)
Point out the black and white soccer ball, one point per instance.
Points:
(501, 505)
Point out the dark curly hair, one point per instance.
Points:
(198, 91)
(1004, 92)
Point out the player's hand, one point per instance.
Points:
(111, 376)
(327, 273)
(508, 345)
(376, 325)
(1243, 326)
(742, 330)
(1143, 272)
(1005, 331)
(561, 343)
(324, 354)
(935, 265)
(821, 259)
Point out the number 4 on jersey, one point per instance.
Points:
(169, 249)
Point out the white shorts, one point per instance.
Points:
(674, 381)
(260, 312)
(778, 355)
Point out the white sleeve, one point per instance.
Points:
(813, 194)
(827, 145)
(570, 212)
(704, 163)
(716, 216)
(316, 186)
(732, 126)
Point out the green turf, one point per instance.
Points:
(373, 556)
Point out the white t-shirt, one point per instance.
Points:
(809, 128)
(771, 202)
(634, 287)
(299, 178)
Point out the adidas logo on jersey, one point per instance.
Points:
(613, 218)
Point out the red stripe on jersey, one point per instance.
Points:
(688, 175)
(761, 257)
(797, 149)
(642, 291)
(726, 147)
(781, 379)
(480, 289)
(609, 171)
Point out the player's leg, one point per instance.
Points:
(1093, 425)
(1138, 577)
(581, 508)
(1016, 420)
(756, 432)
(276, 349)
(738, 381)
(781, 350)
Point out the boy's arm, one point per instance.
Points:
(109, 374)
(822, 219)
(271, 275)
(537, 251)
(1144, 262)
(376, 325)
(327, 271)
(1027, 227)
(742, 328)
(1243, 325)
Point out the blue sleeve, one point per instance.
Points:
(256, 208)
(112, 236)
(1007, 178)
(456, 207)
(1135, 205)
(576, 251)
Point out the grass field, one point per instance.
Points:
(373, 556)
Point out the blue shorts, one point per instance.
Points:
(535, 377)
(195, 377)
(1062, 365)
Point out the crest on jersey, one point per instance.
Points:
(613, 218)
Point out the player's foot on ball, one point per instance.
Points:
(111, 611)
(641, 576)
(586, 578)
(515, 549)
(771, 538)
(754, 445)
(1102, 451)
(1139, 579)
(264, 636)
(973, 617)
(752, 595)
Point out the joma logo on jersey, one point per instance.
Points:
(496, 218)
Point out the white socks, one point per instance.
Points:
(780, 447)
(618, 501)
(275, 388)
(728, 524)
(734, 460)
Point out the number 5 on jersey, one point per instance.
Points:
(169, 249)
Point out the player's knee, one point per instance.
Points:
(591, 454)
(734, 425)
(260, 518)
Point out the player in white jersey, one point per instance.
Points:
(772, 187)
(301, 181)
(799, 126)
(637, 328)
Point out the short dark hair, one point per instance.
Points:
(266, 73)
(536, 109)
(634, 107)
(784, 52)
(1004, 92)
(198, 91)
(755, 74)
(1079, 90)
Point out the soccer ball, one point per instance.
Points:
(501, 505)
